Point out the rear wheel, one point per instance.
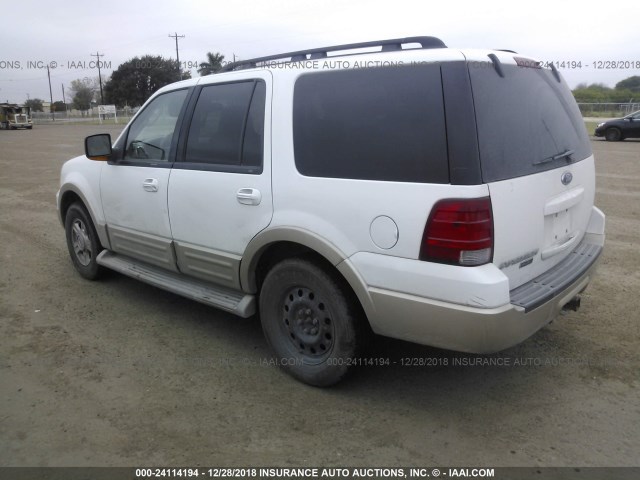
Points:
(613, 135)
(82, 241)
(309, 321)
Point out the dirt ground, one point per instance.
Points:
(118, 373)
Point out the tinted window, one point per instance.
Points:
(151, 133)
(374, 124)
(228, 126)
(524, 120)
(253, 144)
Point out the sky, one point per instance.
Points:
(64, 34)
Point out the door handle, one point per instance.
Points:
(249, 196)
(150, 184)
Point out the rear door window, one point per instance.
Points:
(227, 127)
(526, 121)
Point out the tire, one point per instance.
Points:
(613, 135)
(309, 321)
(82, 242)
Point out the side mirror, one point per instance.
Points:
(98, 147)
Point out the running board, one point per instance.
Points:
(238, 303)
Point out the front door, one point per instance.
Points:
(134, 187)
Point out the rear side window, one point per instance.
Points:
(524, 120)
(371, 124)
(227, 127)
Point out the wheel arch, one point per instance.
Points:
(69, 195)
(274, 245)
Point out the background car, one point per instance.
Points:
(620, 128)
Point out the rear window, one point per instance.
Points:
(524, 120)
(372, 124)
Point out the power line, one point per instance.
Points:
(176, 37)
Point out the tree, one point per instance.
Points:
(83, 92)
(600, 93)
(631, 83)
(212, 65)
(137, 79)
(35, 104)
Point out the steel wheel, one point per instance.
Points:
(307, 323)
(311, 320)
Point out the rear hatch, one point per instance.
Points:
(536, 160)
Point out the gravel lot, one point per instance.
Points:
(118, 373)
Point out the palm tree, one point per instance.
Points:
(212, 65)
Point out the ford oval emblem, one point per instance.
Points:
(566, 178)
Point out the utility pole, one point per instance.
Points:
(53, 116)
(176, 36)
(98, 54)
(64, 100)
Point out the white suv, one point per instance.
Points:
(434, 195)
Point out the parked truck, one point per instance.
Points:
(14, 116)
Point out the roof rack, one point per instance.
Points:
(317, 53)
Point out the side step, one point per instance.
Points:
(238, 303)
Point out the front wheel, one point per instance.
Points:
(613, 135)
(82, 242)
(309, 321)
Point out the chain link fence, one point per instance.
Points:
(76, 117)
(607, 110)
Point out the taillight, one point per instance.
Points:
(459, 232)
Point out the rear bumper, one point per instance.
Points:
(481, 330)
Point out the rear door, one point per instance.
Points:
(536, 159)
(220, 189)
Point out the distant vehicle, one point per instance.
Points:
(620, 128)
(14, 116)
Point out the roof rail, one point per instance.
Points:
(317, 53)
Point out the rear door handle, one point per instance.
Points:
(249, 196)
(150, 184)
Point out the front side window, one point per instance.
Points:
(227, 128)
(151, 133)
